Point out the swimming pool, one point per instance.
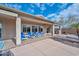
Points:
(1, 44)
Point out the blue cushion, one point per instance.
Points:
(22, 36)
(29, 34)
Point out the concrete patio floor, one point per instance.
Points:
(47, 47)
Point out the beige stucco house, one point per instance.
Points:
(13, 22)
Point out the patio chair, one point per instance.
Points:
(23, 36)
(33, 34)
(29, 35)
(38, 34)
(41, 34)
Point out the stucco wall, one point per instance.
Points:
(8, 28)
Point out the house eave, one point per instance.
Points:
(23, 13)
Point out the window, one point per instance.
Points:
(34, 28)
(48, 30)
(28, 29)
(24, 29)
(40, 29)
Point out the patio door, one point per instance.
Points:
(0, 31)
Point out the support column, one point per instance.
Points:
(59, 30)
(44, 30)
(53, 29)
(31, 29)
(18, 31)
(37, 28)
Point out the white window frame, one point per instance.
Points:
(28, 25)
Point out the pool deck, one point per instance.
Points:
(46, 47)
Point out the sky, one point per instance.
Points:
(50, 11)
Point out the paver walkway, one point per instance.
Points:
(47, 47)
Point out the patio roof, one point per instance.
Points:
(24, 14)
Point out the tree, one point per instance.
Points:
(62, 22)
(76, 26)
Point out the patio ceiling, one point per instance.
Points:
(3, 16)
(36, 21)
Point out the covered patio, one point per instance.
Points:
(13, 23)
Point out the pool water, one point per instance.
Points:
(1, 44)
(4, 51)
